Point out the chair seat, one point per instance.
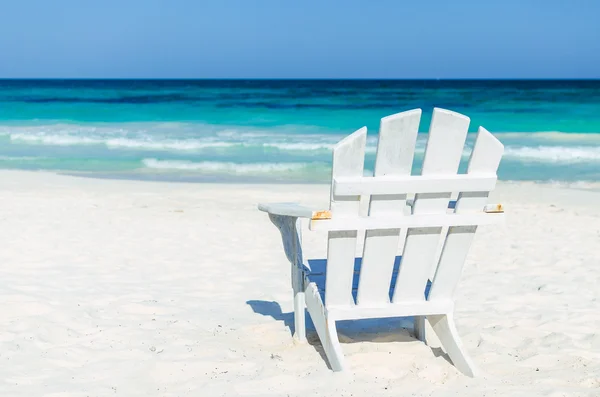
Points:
(315, 272)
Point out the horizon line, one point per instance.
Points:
(312, 78)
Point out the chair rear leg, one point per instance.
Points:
(444, 328)
(299, 317)
(419, 328)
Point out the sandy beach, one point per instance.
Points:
(113, 287)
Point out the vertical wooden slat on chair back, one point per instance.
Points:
(485, 159)
(348, 160)
(395, 152)
(445, 144)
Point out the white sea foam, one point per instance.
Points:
(55, 140)
(562, 154)
(20, 158)
(223, 167)
(165, 145)
(176, 145)
(548, 147)
(552, 136)
(299, 146)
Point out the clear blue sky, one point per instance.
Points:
(300, 38)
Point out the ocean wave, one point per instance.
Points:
(563, 154)
(552, 136)
(230, 142)
(55, 140)
(224, 167)
(300, 146)
(21, 158)
(182, 145)
(120, 139)
(163, 137)
(166, 145)
(169, 136)
(104, 129)
(170, 129)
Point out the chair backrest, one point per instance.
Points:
(387, 220)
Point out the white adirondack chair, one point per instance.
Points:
(391, 286)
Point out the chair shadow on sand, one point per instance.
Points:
(379, 330)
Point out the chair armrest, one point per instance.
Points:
(293, 210)
(286, 217)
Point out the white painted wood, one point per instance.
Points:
(300, 316)
(388, 185)
(411, 202)
(298, 285)
(419, 327)
(485, 159)
(445, 143)
(403, 309)
(290, 209)
(395, 152)
(325, 328)
(414, 221)
(444, 328)
(291, 234)
(315, 272)
(348, 160)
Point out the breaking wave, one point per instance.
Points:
(555, 154)
(224, 167)
(285, 151)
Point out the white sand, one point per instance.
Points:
(137, 288)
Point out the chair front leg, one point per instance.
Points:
(291, 235)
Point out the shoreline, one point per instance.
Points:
(579, 185)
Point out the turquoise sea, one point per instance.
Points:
(282, 130)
